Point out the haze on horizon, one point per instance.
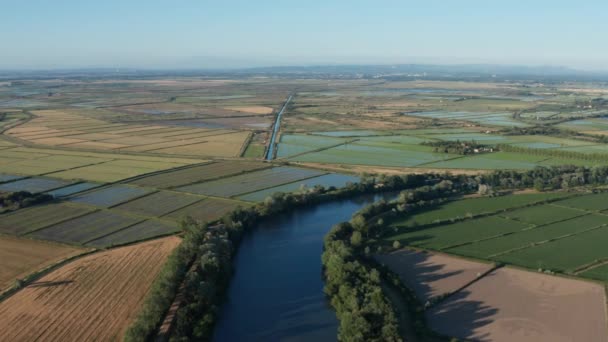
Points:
(205, 34)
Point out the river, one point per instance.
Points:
(276, 293)
(275, 131)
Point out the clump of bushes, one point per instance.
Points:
(21, 199)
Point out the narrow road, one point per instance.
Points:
(275, 131)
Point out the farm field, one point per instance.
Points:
(329, 180)
(33, 185)
(448, 235)
(159, 203)
(528, 238)
(8, 178)
(72, 189)
(141, 231)
(598, 272)
(429, 274)
(21, 257)
(88, 166)
(595, 202)
(64, 304)
(386, 154)
(110, 196)
(563, 236)
(564, 255)
(403, 148)
(531, 307)
(474, 206)
(31, 219)
(197, 174)
(209, 209)
(250, 182)
(542, 214)
(69, 128)
(86, 228)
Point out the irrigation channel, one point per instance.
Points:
(275, 130)
(276, 293)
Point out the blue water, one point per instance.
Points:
(276, 293)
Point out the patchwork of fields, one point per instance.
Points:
(88, 166)
(565, 235)
(403, 148)
(127, 160)
(103, 216)
(67, 128)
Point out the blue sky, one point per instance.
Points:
(225, 33)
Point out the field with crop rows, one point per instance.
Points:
(90, 166)
(141, 231)
(28, 220)
(94, 298)
(542, 214)
(453, 234)
(110, 196)
(85, 228)
(72, 189)
(197, 174)
(209, 209)
(159, 203)
(565, 255)
(473, 206)
(21, 257)
(68, 128)
(530, 237)
(329, 180)
(563, 236)
(595, 202)
(251, 182)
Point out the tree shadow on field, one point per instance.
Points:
(416, 271)
(50, 283)
(459, 316)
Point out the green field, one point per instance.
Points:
(595, 202)
(473, 206)
(564, 235)
(542, 214)
(485, 249)
(599, 273)
(461, 232)
(564, 255)
(376, 153)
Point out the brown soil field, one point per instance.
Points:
(252, 109)
(94, 298)
(98, 145)
(56, 141)
(515, 305)
(21, 257)
(432, 274)
(90, 133)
